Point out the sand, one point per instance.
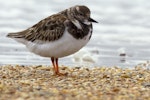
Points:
(98, 83)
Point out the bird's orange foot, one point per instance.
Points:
(61, 74)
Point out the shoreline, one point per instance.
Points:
(99, 83)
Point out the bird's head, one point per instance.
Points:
(80, 14)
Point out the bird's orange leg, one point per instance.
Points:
(56, 67)
(53, 62)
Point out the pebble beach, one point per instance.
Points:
(121, 38)
(81, 83)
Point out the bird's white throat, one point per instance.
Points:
(77, 24)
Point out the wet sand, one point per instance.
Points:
(97, 83)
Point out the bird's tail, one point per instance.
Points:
(14, 35)
(18, 36)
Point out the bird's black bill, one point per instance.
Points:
(92, 20)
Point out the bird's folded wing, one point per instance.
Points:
(49, 29)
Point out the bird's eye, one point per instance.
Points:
(81, 14)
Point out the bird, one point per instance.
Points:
(58, 35)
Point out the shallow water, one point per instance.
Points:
(121, 38)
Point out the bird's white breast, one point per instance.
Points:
(64, 46)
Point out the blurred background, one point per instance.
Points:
(121, 38)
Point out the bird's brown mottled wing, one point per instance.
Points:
(49, 29)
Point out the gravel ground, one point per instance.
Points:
(99, 83)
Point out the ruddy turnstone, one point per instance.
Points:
(58, 35)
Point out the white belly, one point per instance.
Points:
(65, 46)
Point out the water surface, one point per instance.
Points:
(121, 38)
